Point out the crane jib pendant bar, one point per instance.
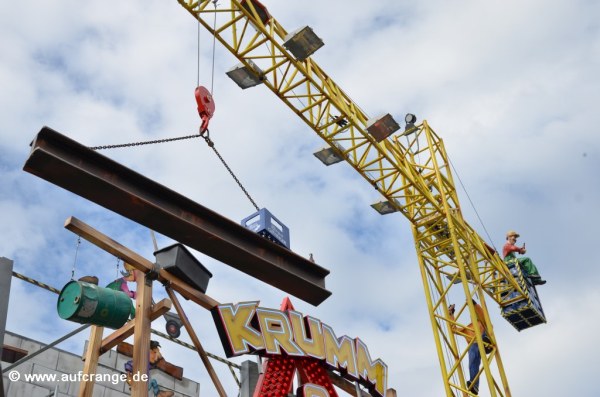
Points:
(78, 169)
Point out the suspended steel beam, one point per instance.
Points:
(74, 167)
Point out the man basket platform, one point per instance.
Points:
(528, 311)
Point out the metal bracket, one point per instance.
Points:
(152, 275)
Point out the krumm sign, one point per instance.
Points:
(247, 328)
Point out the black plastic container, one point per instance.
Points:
(178, 261)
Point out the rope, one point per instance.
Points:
(75, 260)
(192, 347)
(36, 283)
(230, 364)
(118, 262)
(211, 144)
(473, 205)
(212, 79)
(143, 142)
(198, 60)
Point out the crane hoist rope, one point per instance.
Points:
(213, 53)
(206, 108)
(212, 80)
(472, 205)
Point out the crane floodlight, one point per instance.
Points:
(381, 127)
(302, 43)
(329, 155)
(384, 207)
(244, 76)
(410, 120)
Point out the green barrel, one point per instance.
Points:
(87, 303)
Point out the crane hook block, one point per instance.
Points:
(206, 106)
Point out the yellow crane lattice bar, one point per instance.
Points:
(413, 176)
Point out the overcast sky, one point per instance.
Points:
(511, 86)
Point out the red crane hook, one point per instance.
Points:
(206, 106)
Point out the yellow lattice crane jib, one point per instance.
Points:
(410, 169)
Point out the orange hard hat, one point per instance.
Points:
(512, 233)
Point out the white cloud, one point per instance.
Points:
(511, 87)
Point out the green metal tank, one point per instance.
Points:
(87, 303)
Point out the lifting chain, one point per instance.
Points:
(203, 134)
(206, 135)
(143, 142)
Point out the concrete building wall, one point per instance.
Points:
(65, 366)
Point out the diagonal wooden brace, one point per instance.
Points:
(197, 344)
(127, 330)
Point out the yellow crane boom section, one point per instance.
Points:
(411, 170)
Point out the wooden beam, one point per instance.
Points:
(141, 335)
(196, 342)
(87, 173)
(126, 331)
(11, 354)
(86, 386)
(139, 262)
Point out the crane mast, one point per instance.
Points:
(412, 172)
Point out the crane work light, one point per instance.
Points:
(384, 207)
(329, 155)
(381, 127)
(410, 120)
(244, 76)
(302, 43)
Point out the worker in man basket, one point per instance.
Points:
(508, 252)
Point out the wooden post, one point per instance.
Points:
(390, 393)
(86, 386)
(196, 342)
(141, 336)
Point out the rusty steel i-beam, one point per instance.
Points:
(74, 167)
